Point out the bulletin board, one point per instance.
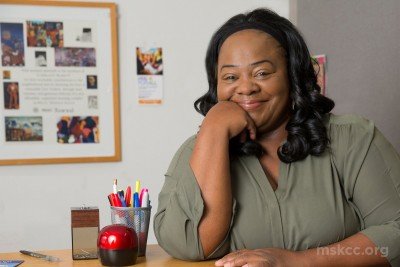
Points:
(59, 97)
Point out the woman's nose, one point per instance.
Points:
(247, 87)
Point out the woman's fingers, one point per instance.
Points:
(247, 258)
(251, 127)
(241, 258)
(229, 257)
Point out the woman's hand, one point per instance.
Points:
(230, 117)
(271, 257)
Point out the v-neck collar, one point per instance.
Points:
(262, 178)
(272, 197)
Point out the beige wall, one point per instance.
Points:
(361, 39)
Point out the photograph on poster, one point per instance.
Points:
(78, 130)
(11, 95)
(23, 129)
(44, 33)
(85, 36)
(75, 57)
(149, 61)
(40, 59)
(92, 102)
(6, 74)
(91, 81)
(80, 33)
(12, 44)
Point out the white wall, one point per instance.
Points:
(35, 200)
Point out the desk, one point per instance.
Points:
(155, 257)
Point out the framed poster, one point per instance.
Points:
(59, 97)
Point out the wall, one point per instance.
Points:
(361, 41)
(35, 201)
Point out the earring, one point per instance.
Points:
(292, 105)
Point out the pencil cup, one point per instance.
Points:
(136, 218)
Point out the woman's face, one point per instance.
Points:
(252, 73)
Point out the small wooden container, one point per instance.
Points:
(84, 230)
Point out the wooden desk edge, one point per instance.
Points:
(155, 257)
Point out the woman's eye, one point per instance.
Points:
(230, 78)
(262, 74)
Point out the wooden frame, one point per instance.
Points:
(66, 105)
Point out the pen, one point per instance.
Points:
(136, 200)
(141, 196)
(121, 198)
(110, 199)
(121, 194)
(115, 186)
(137, 186)
(145, 199)
(128, 195)
(40, 256)
(116, 200)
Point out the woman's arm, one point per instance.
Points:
(356, 250)
(210, 165)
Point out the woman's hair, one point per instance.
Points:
(306, 131)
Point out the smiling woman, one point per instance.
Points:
(253, 75)
(272, 176)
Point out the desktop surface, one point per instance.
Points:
(155, 257)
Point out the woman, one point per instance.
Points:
(272, 176)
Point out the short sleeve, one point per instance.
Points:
(370, 169)
(180, 208)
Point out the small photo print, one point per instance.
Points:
(40, 59)
(78, 130)
(6, 74)
(149, 61)
(92, 102)
(76, 57)
(44, 34)
(23, 129)
(319, 64)
(12, 44)
(91, 81)
(85, 36)
(11, 95)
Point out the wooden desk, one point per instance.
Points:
(155, 257)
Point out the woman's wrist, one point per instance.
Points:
(213, 130)
(305, 259)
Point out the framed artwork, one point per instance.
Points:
(320, 69)
(59, 82)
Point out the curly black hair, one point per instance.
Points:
(306, 131)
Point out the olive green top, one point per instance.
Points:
(354, 186)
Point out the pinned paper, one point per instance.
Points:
(150, 69)
(320, 69)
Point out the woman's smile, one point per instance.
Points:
(250, 105)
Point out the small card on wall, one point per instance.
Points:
(320, 69)
(149, 63)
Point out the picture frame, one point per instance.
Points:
(59, 81)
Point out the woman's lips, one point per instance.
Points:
(250, 105)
